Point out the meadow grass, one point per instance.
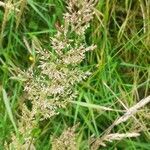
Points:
(120, 67)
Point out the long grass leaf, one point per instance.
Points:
(8, 108)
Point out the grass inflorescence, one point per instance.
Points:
(74, 74)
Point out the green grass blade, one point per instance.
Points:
(8, 108)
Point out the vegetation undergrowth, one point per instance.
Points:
(74, 74)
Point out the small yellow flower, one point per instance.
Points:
(31, 58)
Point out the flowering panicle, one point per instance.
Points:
(53, 84)
(66, 141)
(79, 14)
(112, 137)
(50, 82)
(58, 72)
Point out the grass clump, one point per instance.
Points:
(91, 68)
